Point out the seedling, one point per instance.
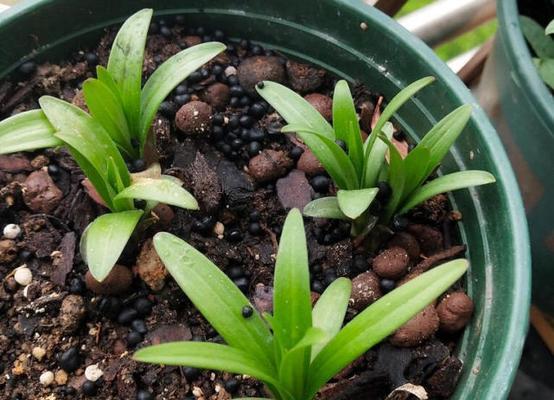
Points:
(121, 118)
(357, 170)
(296, 350)
(543, 45)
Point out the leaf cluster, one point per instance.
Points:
(357, 169)
(297, 349)
(543, 46)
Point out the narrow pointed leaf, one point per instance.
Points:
(397, 101)
(105, 106)
(104, 241)
(294, 108)
(170, 74)
(397, 180)
(380, 320)
(447, 183)
(104, 76)
(126, 60)
(218, 299)
(354, 203)
(161, 190)
(543, 45)
(329, 311)
(206, 356)
(416, 165)
(549, 28)
(375, 160)
(27, 131)
(346, 126)
(121, 204)
(325, 207)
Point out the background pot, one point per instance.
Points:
(356, 42)
(522, 108)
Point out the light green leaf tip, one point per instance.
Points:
(164, 191)
(354, 203)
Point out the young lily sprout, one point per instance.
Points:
(543, 45)
(122, 114)
(298, 349)
(356, 167)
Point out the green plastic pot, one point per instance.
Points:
(522, 108)
(386, 57)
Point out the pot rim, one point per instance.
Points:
(499, 380)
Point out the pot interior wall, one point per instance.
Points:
(385, 58)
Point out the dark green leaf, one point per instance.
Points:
(375, 160)
(215, 296)
(447, 183)
(104, 241)
(381, 319)
(397, 180)
(542, 44)
(345, 124)
(170, 74)
(125, 63)
(416, 165)
(325, 207)
(27, 131)
(160, 190)
(354, 203)
(294, 109)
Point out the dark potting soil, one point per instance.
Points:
(245, 174)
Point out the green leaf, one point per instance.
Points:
(104, 76)
(330, 155)
(294, 108)
(381, 319)
(206, 356)
(354, 203)
(105, 106)
(375, 160)
(161, 190)
(170, 74)
(416, 165)
(325, 207)
(125, 63)
(119, 204)
(397, 101)
(292, 308)
(346, 126)
(541, 44)
(549, 28)
(447, 183)
(546, 71)
(27, 131)
(82, 132)
(329, 311)
(104, 241)
(397, 180)
(215, 296)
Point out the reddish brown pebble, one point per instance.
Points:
(194, 118)
(192, 40)
(118, 281)
(164, 213)
(322, 103)
(430, 239)
(13, 164)
(391, 263)
(303, 77)
(309, 163)
(217, 95)
(150, 268)
(294, 190)
(365, 290)
(408, 242)
(269, 165)
(40, 193)
(454, 311)
(260, 68)
(72, 312)
(418, 329)
(8, 251)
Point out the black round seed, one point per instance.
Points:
(144, 395)
(234, 102)
(217, 69)
(320, 183)
(236, 91)
(91, 59)
(245, 101)
(133, 338)
(316, 268)
(256, 135)
(191, 373)
(296, 152)
(226, 149)
(236, 144)
(341, 144)
(165, 31)
(387, 285)
(242, 283)
(143, 306)
(233, 80)
(139, 165)
(181, 89)
(260, 85)
(27, 68)
(399, 223)
(235, 272)
(232, 385)
(110, 307)
(234, 235)
(317, 286)
(234, 121)
(127, 315)
(254, 216)
(24, 255)
(254, 228)
(167, 109)
(89, 388)
(204, 225)
(53, 169)
(76, 286)
(330, 276)
(218, 119)
(181, 99)
(257, 110)
(244, 43)
(257, 50)
(139, 326)
(154, 27)
(195, 76)
(217, 133)
(247, 311)
(70, 360)
(385, 191)
(360, 263)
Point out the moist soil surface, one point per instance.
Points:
(224, 142)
